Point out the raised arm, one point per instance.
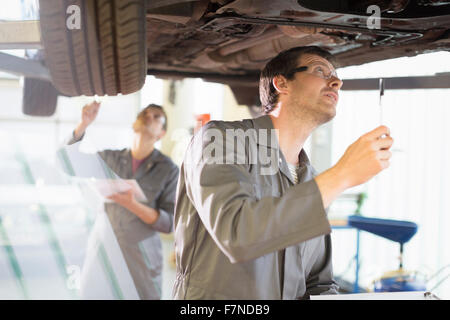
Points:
(88, 115)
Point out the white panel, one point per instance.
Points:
(416, 185)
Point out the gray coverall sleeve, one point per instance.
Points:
(71, 139)
(166, 204)
(242, 226)
(104, 154)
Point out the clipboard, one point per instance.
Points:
(107, 187)
(91, 168)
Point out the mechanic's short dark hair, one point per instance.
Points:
(156, 106)
(281, 65)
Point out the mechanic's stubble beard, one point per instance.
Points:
(311, 115)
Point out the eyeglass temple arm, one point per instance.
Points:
(299, 69)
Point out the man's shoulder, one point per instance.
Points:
(256, 129)
(115, 152)
(217, 132)
(262, 122)
(224, 125)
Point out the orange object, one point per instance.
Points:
(201, 120)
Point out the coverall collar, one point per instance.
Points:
(152, 158)
(265, 122)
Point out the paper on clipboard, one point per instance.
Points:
(107, 187)
(96, 172)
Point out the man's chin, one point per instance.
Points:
(327, 115)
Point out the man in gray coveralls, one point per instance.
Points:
(247, 231)
(137, 225)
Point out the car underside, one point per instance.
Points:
(117, 43)
(232, 40)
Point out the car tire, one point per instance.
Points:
(104, 54)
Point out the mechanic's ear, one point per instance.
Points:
(280, 84)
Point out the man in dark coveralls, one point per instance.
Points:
(137, 225)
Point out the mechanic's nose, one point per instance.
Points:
(335, 83)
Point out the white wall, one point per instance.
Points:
(414, 188)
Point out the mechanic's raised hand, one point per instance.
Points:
(362, 160)
(88, 115)
(366, 157)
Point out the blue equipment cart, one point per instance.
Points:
(397, 231)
